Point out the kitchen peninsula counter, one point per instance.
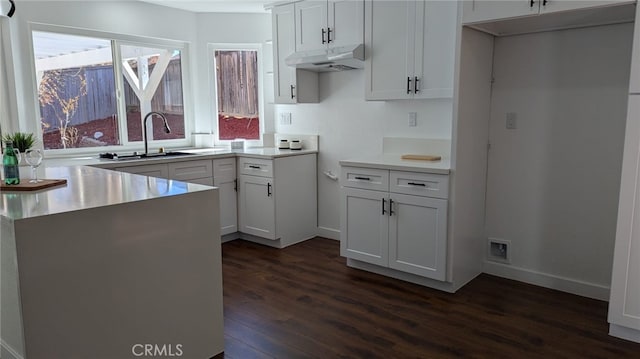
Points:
(108, 261)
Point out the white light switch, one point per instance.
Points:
(413, 119)
(285, 118)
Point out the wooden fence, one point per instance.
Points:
(237, 82)
(99, 101)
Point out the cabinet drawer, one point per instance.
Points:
(155, 170)
(365, 178)
(419, 184)
(255, 167)
(189, 170)
(224, 169)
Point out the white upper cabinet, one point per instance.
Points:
(283, 45)
(475, 11)
(323, 24)
(290, 85)
(346, 22)
(411, 49)
(311, 25)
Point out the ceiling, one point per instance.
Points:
(246, 6)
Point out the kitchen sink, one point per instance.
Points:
(136, 156)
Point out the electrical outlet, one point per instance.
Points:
(512, 122)
(413, 119)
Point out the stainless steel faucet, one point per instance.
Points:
(144, 128)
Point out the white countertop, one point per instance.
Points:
(88, 187)
(394, 162)
(198, 154)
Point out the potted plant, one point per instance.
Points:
(21, 140)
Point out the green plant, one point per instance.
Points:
(21, 140)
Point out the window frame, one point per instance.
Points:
(117, 40)
(211, 58)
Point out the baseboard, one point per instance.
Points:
(330, 233)
(563, 284)
(624, 333)
(407, 277)
(6, 352)
(230, 237)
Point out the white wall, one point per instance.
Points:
(349, 127)
(553, 182)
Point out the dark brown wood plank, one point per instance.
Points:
(304, 302)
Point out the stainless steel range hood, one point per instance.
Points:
(334, 59)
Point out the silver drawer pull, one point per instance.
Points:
(417, 184)
(363, 178)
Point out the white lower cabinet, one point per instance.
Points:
(386, 226)
(257, 206)
(417, 235)
(224, 177)
(278, 199)
(365, 226)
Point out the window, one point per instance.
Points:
(76, 90)
(152, 81)
(238, 92)
(79, 77)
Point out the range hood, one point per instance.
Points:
(334, 59)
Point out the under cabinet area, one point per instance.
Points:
(395, 219)
(411, 49)
(277, 199)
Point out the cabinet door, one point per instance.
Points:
(389, 41)
(418, 235)
(311, 25)
(228, 205)
(436, 24)
(364, 225)
(486, 10)
(346, 22)
(224, 177)
(624, 304)
(257, 206)
(284, 77)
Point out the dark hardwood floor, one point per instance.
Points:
(304, 302)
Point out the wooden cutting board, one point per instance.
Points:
(421, 157)
(26, 186)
